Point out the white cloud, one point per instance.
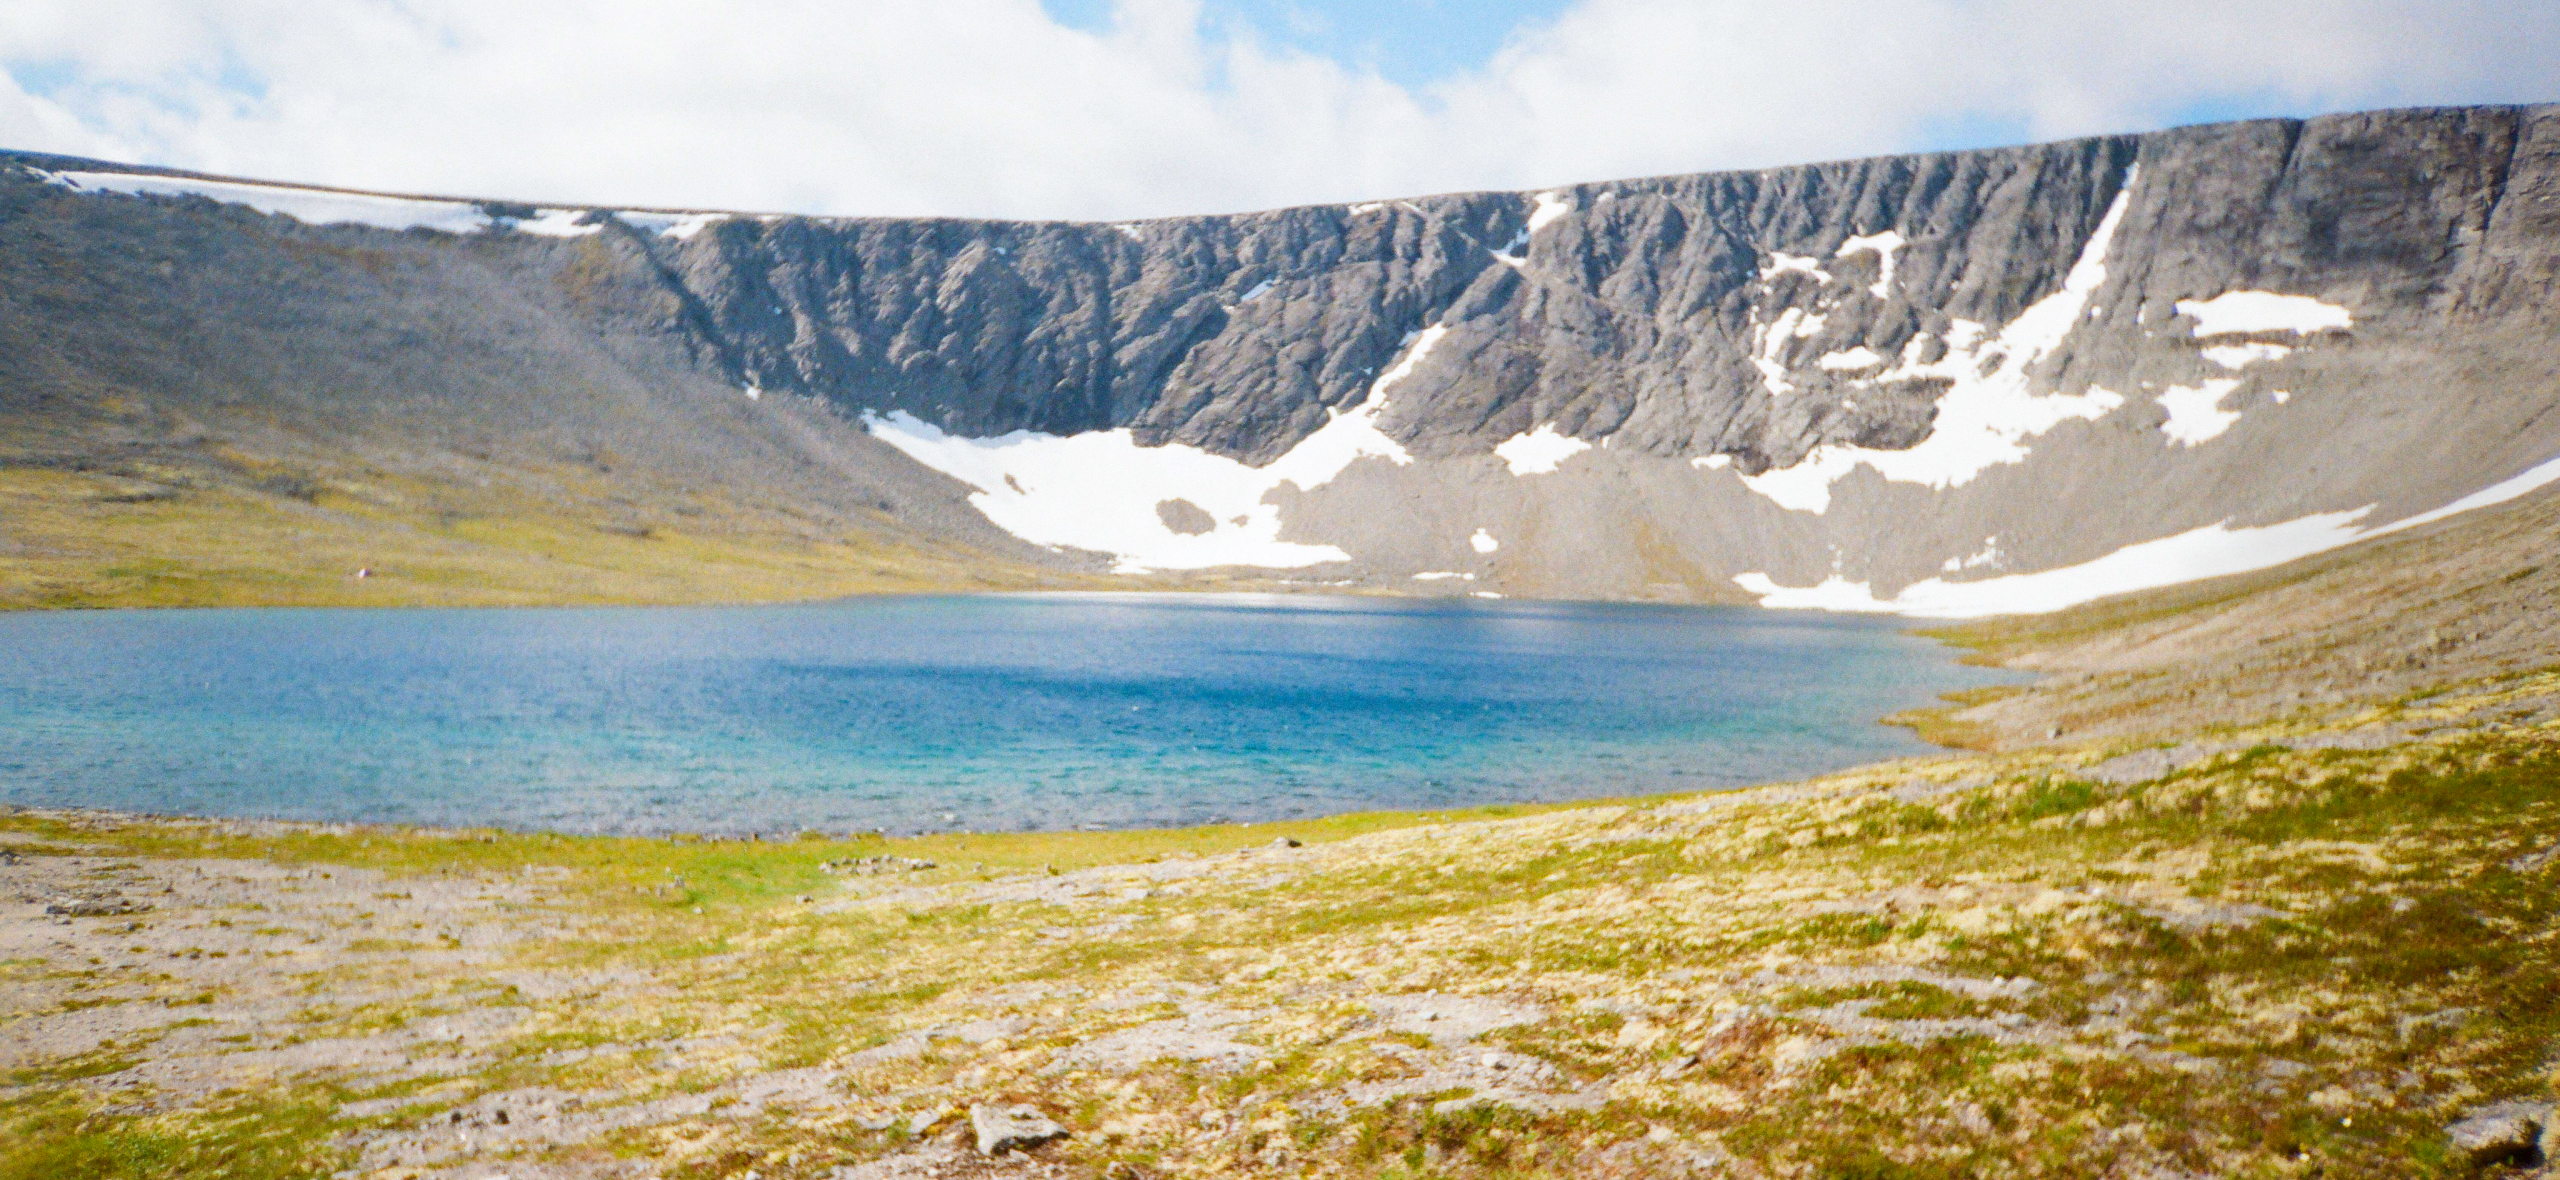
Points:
(988, 107)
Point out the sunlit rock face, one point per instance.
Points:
(1952, 384)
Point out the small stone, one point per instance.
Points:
(1011, 1128)
(924, 1121)
(1286, 842)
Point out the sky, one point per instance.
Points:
(1114, 109)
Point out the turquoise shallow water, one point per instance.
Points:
(989, 713)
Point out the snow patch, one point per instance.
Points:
(1539, 451)
(1887, 246)
(1442, 576)
(680, 226)
(2208, 552)
(1099, 490)
(1781, 262)
(1795, 323)
(2243, 312)
(1131, 229)
(2213, 551)
(2530, 479)
(1711, 462)
(1850, 360)
(1806, 486)
(1988, 411)
(1484, 542)
(557, 223)
(2241, 356)
(2196, 413)
(307, 205)
(1259, 290)
(1834, 593)
(1990, 553)
(1367, 207)
(1551, 205)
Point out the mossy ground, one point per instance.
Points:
(2299, 956)
(155, 538)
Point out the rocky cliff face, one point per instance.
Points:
(1907, 380)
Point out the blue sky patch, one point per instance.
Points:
(1409, 42)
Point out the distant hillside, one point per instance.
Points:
(1950, 384)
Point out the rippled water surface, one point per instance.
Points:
(989, 713)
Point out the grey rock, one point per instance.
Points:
(1919, 789)
(2505, 1133)
(1201, 1037)
(2144, 765)
(1451, 1020)
(2535, 862)
(95, 907)
(1185, 518)
(2127, 769)
(1012, 1128)
(2191, 914)
(925, 1120)
(875, 865)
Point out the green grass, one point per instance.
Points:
(226, 536)
(1938, 725)
(56, 1135)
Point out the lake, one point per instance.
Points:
(989, 713)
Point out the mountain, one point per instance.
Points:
(1951, 384)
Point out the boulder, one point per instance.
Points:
(2507, 1133)
(1011, 1128)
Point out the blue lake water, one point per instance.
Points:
(984, 712)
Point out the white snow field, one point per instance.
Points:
(1987, 412)
(680, 226)
(1539, 451)
(2195, 411)
(1100, 490)
(2239, 313)
(1887, 246)
(2209, 552)
(307, 205)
